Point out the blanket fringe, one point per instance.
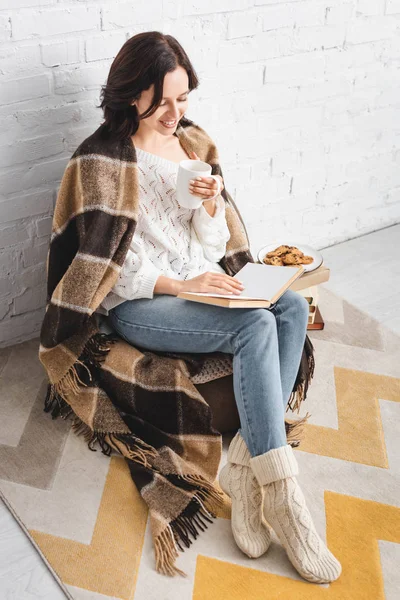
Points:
(133, 448)
(191, 521)
(93, 354)
(295, 430)
(166, 553)
(126, 444)
(304, 376)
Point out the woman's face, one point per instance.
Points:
(173, 105)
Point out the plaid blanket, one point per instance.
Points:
(140, 404)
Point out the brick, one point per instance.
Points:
(5, 28)
(104, 46)
(274, 97)
(318, 92)
(43, 226)
(272, 44)
(25, 3)
(370, 7)
(242, 77)
(286, 161)
(35, 255)
(340, 14)
(8, 261)
(27, 205)
(308, 39)
(392, 196)
(23, 151)
(392, 7)
(21, 328)
(6, 286)
(33, 276)
(200, 7)
(77, 79)
(294, 70)
(308, 181)
(26, 88)
(5, 306)
(54, 21)
(345, 59)
(17, 60)
(61, 52)
(15, 234)
(242, 25)
(234, 52)
(264, 2)
(368, 29)
(124, 14)
(293, 14)
(46, 119)
(31, 299)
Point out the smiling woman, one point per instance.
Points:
(147, 88)
(155, 133)
(131, 249)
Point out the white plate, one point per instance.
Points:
(307, 250)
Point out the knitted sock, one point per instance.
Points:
(285, 509)
(237, 480)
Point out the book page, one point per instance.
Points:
(261, 282)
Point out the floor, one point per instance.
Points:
(365, 270)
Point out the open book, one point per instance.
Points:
(263, 286)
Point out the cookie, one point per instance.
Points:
(278, 251)
(291, 259)
(273, 260)
(307, 260)
(287, 255)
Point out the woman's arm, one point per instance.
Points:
(138, 275)
(212, 231)
(166, 285)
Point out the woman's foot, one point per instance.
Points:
(285, 509)
(237, 480)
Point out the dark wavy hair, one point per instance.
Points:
(143, 60)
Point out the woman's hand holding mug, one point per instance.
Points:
(204, 187)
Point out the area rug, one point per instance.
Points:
(84, 516)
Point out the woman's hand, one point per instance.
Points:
(204, 187)
(209, 282)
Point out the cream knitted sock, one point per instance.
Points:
(285, 509)
(238, 482)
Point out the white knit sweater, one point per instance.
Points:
(169, 240)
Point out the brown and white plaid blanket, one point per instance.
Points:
(140, 404)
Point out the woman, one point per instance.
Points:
(177, 249)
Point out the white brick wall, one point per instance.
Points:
(301, 97)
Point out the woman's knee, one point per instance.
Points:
(257, 319)
(296, 302)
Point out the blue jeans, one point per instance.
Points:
(266, 345)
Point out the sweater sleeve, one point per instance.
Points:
(138, 275)
(213, 232)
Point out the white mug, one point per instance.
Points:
(190, 169)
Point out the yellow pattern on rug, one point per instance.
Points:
(359, 437)
(353, 528)
(118, 536)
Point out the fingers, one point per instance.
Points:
(206, 186)
(228, 283)
(224, 290)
